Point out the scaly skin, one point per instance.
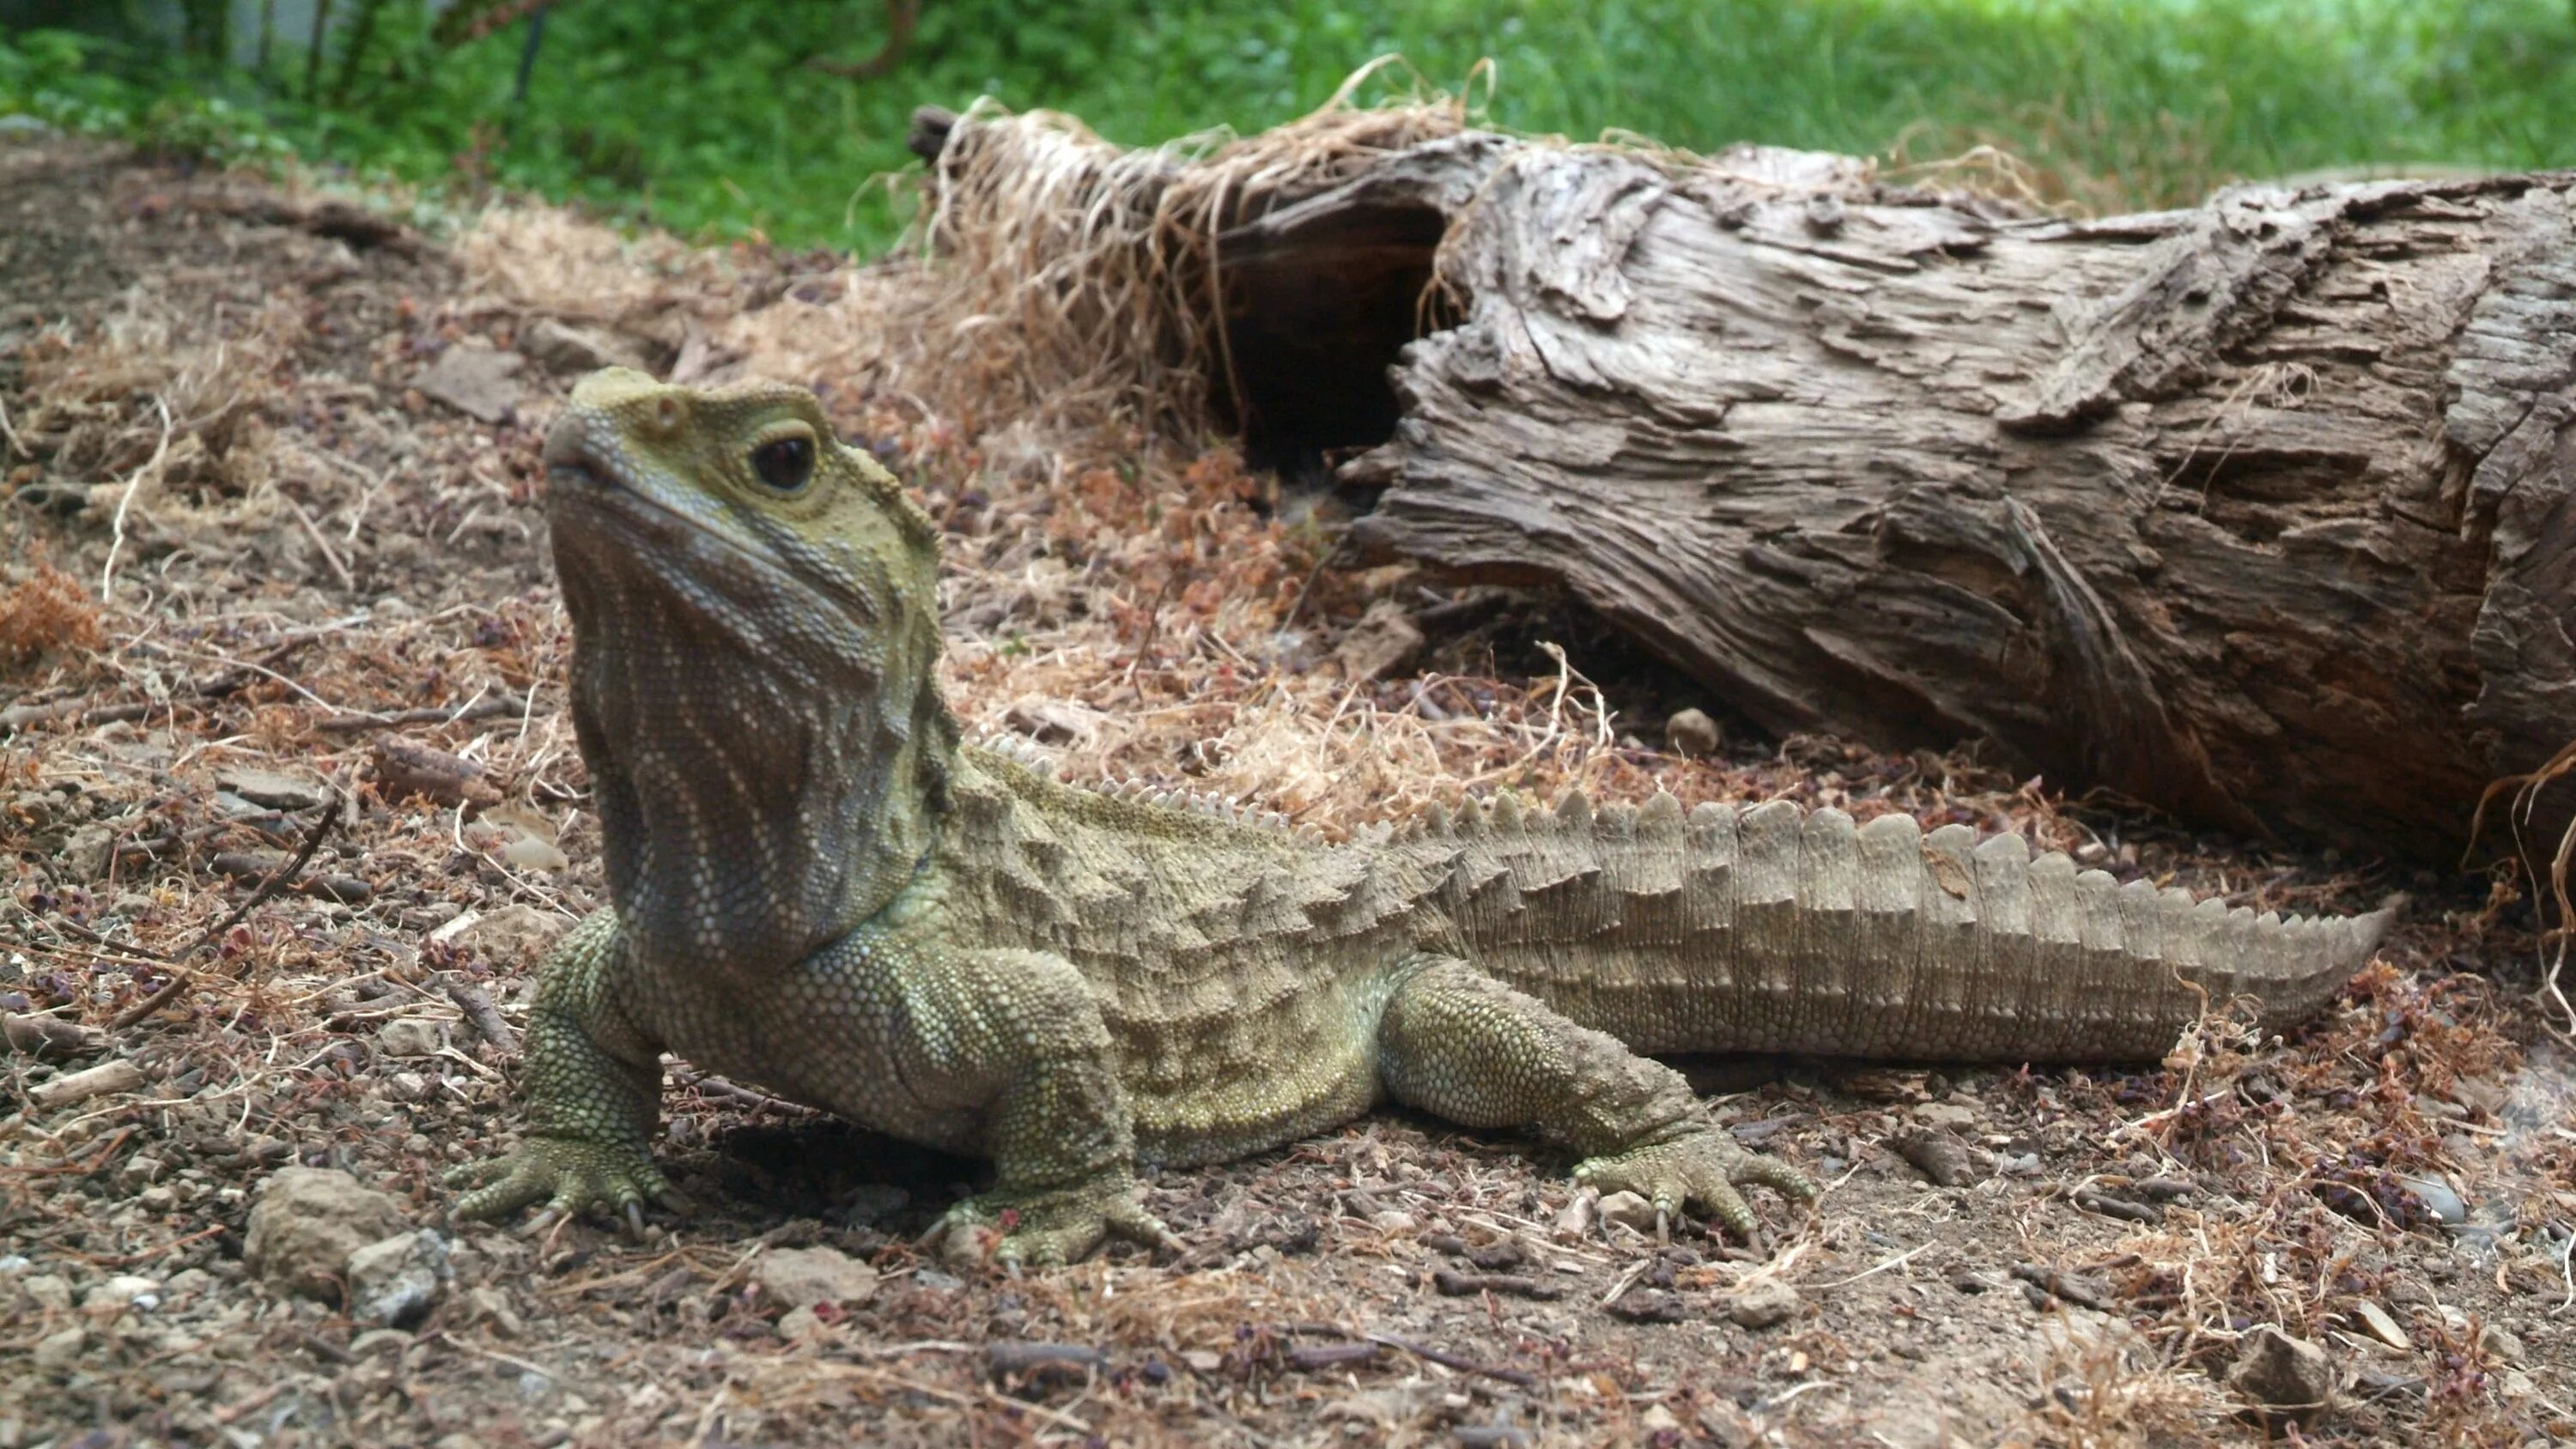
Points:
(815, 887)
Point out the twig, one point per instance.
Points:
(133, 485)
(362, 720)
(482, 1015)
(330, 555)
(1460, 1362)
(180, 981)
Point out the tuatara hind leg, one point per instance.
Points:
(1458, 1043)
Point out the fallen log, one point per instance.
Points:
(2256, 512)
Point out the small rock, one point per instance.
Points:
(476, 380)
(411, 1036)
(803, 1277)
(157, 1198)
(800, 1323)
(1629, 1210)
(2382, 1326)
(563, 348)
(124, 1291)
(85, 850)
(1762, 1303)
(511, 937)
(2437, 1197)
(49, 1290)
(2283, 1375)
(394, 1283)
(2503, 1345)
(1575, 1223)
(1395, 1220)
(272, 789)
(1693, 735)
(1384, 641)
(1954, 1115)
(307, 1222)
(1648, 1305)
(496, 1307)
(141, 1168)
(56, 1352)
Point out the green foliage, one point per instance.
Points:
(81, 84)
(701, 114)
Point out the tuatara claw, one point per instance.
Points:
(572, 1176)
(1697, 1167)
(1049, 1227)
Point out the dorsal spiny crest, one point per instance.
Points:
(1616, 821)
(1662, 817)
(1574, 814)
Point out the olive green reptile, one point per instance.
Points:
(814, 886)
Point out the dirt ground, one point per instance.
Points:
(267, 582)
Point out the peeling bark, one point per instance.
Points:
(2257, 512)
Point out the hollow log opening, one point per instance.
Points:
(1313, 331)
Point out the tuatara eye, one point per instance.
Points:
(784, 465)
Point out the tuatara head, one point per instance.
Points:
(755, 637)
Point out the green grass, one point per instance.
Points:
(700, 115)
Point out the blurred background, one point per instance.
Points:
(781, 120)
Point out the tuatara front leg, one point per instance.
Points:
(1458, 1043)
(593, 1087)
(1003, 1053)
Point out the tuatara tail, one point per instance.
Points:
(1776, 929)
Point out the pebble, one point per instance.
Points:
(2381, 1324)
(801, 1323)
(2437, 1197)
(272, 789)
(1762, 1303)
(802, 1277)
(2283, 1374)
(394, 1283)
(1693, 735)
(307, 1222)
(50, 1290)
(124, 1291)
(56, 1352)
(411, 1036)
(1628, 1210)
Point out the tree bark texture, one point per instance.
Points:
(2257, 512)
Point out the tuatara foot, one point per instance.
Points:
(1048, 1227)
(1696, 1166)
(572, 1175)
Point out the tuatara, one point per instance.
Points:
(815, 886)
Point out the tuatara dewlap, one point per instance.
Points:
(815, 886)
